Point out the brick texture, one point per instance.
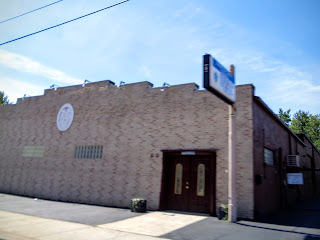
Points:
(273, 192)
(133, 123)
(244, 151)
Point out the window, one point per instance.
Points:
(178, 179)
(201, 180)
(33, 151)
(93, 152)
(268, 157)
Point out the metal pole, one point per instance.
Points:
(232, 201)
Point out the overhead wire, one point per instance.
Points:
(64, 22)
(30, 11)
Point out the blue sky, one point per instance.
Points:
(273, 44)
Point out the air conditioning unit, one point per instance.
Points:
(293, 161)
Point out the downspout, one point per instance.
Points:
(313, 173)
(285, 173)
(281, 178)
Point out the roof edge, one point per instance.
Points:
(261, 103)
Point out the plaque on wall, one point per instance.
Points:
(295, 178)
(65, 117)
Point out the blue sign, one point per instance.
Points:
(218, 80)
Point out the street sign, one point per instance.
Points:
(295, 178)
(218, 80)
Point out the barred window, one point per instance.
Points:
(93, 152)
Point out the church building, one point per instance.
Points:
(103, 144)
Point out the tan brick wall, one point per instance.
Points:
(244, 150)
(132, 122)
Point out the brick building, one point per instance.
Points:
(168, 145)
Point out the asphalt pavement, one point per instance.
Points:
(23, 218)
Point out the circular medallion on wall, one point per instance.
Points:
(65, 117)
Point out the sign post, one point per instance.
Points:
(221, 83)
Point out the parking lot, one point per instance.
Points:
(29, 218)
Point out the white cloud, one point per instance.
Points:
(17, 89)
(24, 64)
(302, 92)
(278, 83)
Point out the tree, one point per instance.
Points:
(285, 116)
(314, 131)
(300, 122)
(4, 100)
(304, 122)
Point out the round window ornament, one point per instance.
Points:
(65, 117)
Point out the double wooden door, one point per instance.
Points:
(190, 183)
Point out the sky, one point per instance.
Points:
(273, 44)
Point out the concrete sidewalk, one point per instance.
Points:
(22, 227)
(26, 218)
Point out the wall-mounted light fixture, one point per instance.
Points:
(164, 86)
(121, 83)
(54, 86)
(85, 82)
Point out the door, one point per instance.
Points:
(190, 183)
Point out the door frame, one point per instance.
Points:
(211, 153)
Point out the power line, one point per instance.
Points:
(64, 23)
(30, 11)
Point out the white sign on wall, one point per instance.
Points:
(65, 117)
(295, 178)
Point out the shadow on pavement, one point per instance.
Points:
(283, 228)
(305, 214)
(311, 238)
(296, 218)
(213, 229)
(301, 222)
(71, 212)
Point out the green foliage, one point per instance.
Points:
(285, 116)
(303, 122)
(225, 210)
(138, 205)
(4, 100)
(300, 122)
